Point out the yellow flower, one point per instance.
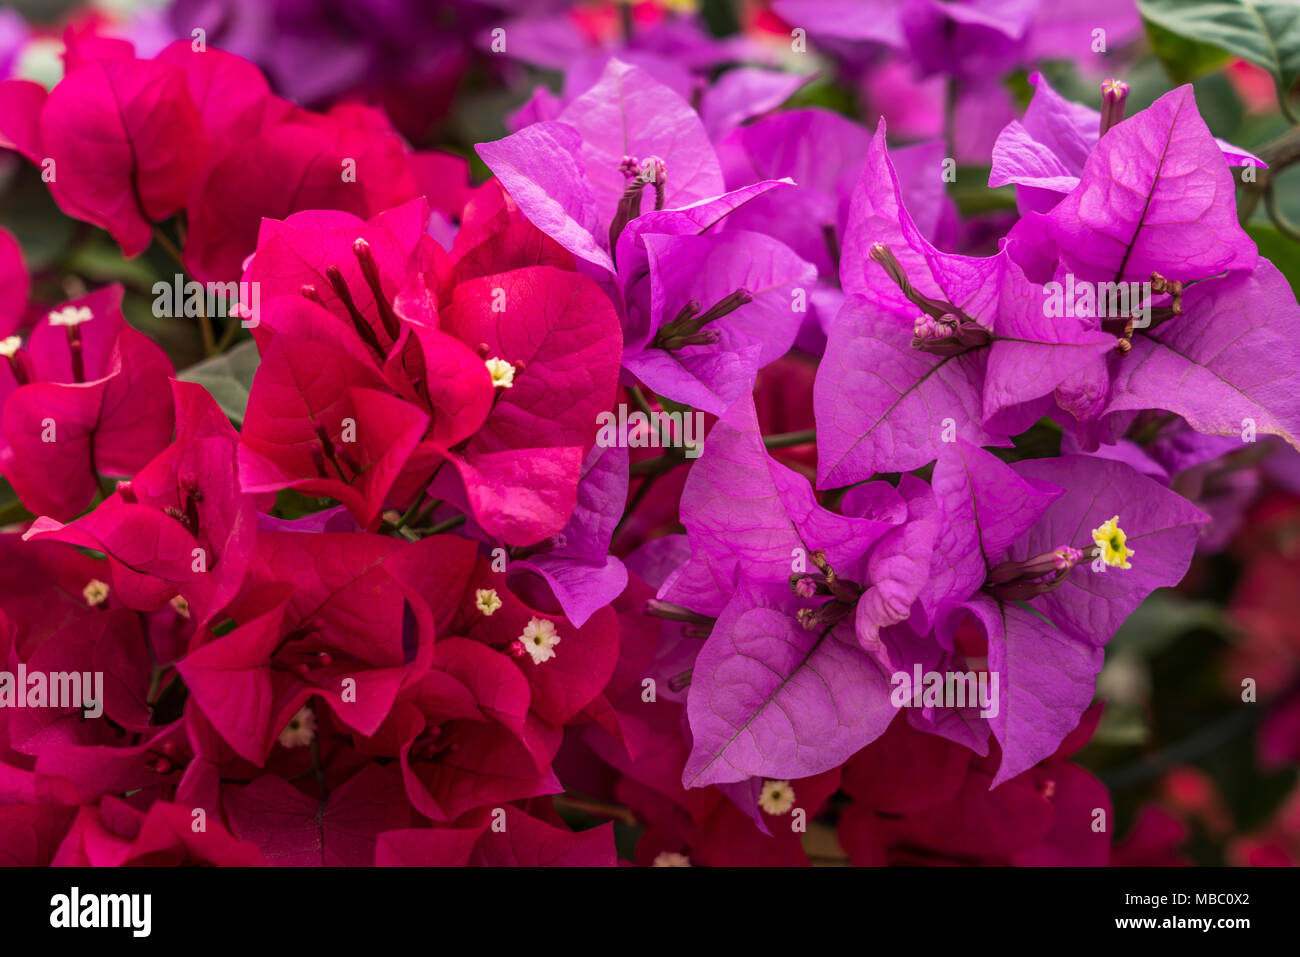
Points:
(95, 592)
(1111, 547)
(487, 601)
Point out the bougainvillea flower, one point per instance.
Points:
(390, 289)
(576, 566)
(119, 140)
(495, 237)
(561, 341)
(43, 587)
(743, 511)
(115, 834)
(743, 93)
(575, 667)
(402, 580)
(320, 418)
(722, 307)
(1184, 365)
(1154, 196)
(292, 828)
(587, 189)
(976, 39)
(85, 396)
(357, 269)
(723, 366)
(773, 699)
(825, 179)
(754, 526)
(466, 735)
(972, 40)
(1029, 543)
(1213, 471)
(727, 838)
(325, 615)
(930, 343)
(125, 751)
(1044, 154)
(182, 524)
(934, 804)
(580, 178)
(520, 841)
(348, 159)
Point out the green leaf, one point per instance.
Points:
(102, 261)
(1265, 32)
(1122, 727)
(1277, 249)
(11, 513)
(970, 191)
(1162, 619)
(228, 377)
(1184, 58)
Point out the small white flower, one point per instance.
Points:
(539, 639)
(776, 797)
(96, 592)
(671, 859)
(502, 372)
(300, 730)
(9, 346)
(71, 316)
(181, 606)
(487, 601)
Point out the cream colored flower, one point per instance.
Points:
(502, 372)
(539, 639)
(95, 592)
(301, 729)
(671, 859)
(71, 316)
(487, 601)
(776, 797)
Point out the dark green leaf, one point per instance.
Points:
(1277, 249)
(1183, 57)
(1265, 32)
(228, 377)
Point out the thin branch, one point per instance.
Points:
(1284, 225)
(785, 440)
(414, 510)
(615, 812)
(448, 525)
